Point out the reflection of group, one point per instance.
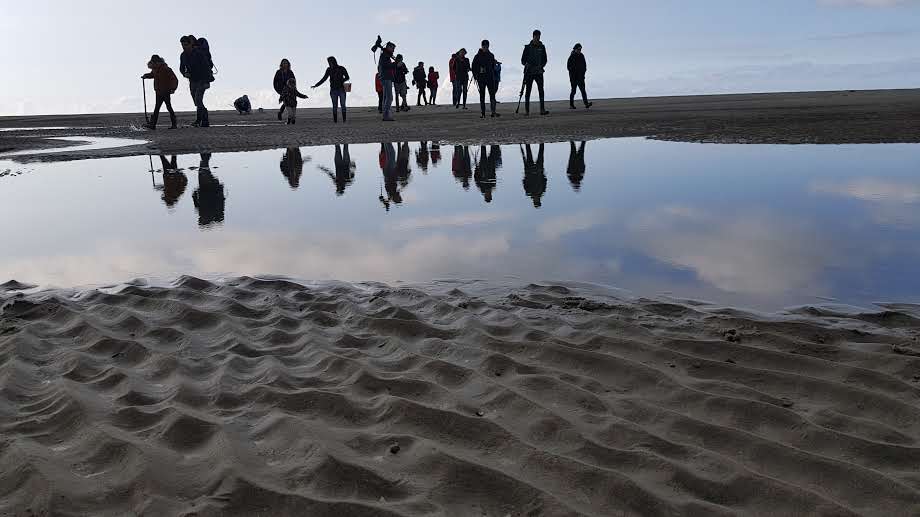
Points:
(479, 166)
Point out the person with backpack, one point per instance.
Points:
(578, 67)
(462, 66)
(386, 69)
(282, 75)
(452, 71)
(289, 97)
(337, 76)
(195, 64)
(534, 60)
(484, 73)
(420, 81)
(402, 89)
(165, 84)
(433, 78)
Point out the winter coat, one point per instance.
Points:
(386, 66)
(164, 79)
(433, 78)
(289, 96)
(452, 68)
(400, 73)
(196, 65)
(534, 58)
(484, 67)
(462, 67)
(419, 79)
(337, 78)
(577, 65)
(281, 79)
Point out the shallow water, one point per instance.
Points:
(757, 226)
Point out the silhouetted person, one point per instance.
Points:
(578, 67)
(486, 177)
(195, 64)
(292, 166)
(289, 96)
(386, 67)
(420, 81)
(338, 76)
(165, 84)
(534, 175)
(402, 89)
(462, 169)
(435, 154)
(576, 168)
(534, 60)
(433, 78)
(390, 180)
(484, 73)
(452, 73)
(378, 87)
(282, 75)
(174, 182)
(422, 156)
(402, 164)
(344, 169)
(462, 71)
(209, 197)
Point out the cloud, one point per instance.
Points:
(557, 227)
(457, 220)
(872, 189)
(866, 3)
(395, 17)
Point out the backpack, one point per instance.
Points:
(498, 72)
(205, 47)
(172, 83)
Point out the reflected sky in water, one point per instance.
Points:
(757, 226)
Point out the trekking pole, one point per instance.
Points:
(144, 87)
(521, 96)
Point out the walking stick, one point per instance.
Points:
(144, 87)
(521, 96)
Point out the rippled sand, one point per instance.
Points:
(267, 397)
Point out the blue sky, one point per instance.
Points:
(74, 57)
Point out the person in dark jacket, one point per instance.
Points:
(433, 78)
(576, 168)
(452, 73)
(337, 76)
(282, 75)
(420, 81)
(534, 175)
(577, 70)
(165, 83)
(402, 88)
(462, 71)
(292, 166)
(486, 177)
(386, 67)
(195, 65)
(209, 198)
(484, 73)
(534, 60)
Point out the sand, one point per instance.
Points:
(786, 118)
(268, 397)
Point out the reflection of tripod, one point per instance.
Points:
(523, 87)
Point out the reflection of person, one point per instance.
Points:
(344, 169)
(174, 181)
(576, 168)
(209, 197)
(388, 168)
(422, 156)
(435, 154)
(402, 164)
(534, 175)
(292, 166)
(461, 165)
(485, 175)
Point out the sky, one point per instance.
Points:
(87, 57)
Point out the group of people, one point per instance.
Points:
(391, 85)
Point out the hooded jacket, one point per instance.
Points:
(164, 79)
(484, 67)
(419, 78)
(534, 58)
(281, 79)
(462, 69)
(577, 65)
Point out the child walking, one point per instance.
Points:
(165, 83)
(289, 96)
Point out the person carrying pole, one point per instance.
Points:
(534, 60)
(484, 73)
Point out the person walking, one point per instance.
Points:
(433, 78)
(462, 69)
(578, 67)
(386, 69)
(452, 72)
(402, 89)
(484, 73)
(337, 76)
(420, 81)
(282, 75)
(534, 60)
(289, 97)
(165, 84)
(195, 65)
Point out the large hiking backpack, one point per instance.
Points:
(172, 83)
(205, 47)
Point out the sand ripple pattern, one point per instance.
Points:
(267, 397)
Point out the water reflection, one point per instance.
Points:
(534, 174)
(292, 166)
(576, 169)
(422, 156)
(344, 173)
(461, 166)
(209, 197)
(390, 177)
(435, 154)
(487, 166)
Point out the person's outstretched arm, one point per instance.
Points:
(321, 81)
(302, 96)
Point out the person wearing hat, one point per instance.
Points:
(577, 70)
(165, 83)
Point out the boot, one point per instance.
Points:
(588, 105)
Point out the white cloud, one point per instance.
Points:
(457, 220)
(866, 3)
(557, 227)
(872, 189)
(395, 17)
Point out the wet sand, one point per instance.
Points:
(268, 397)
(788, 118)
